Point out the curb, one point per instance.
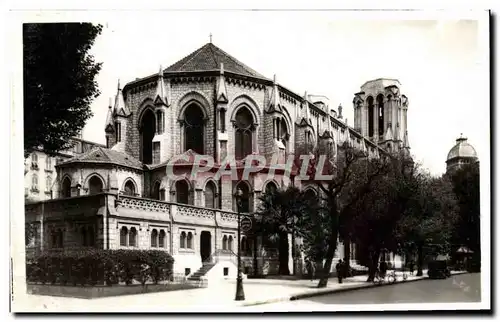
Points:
(346, 289)
(332, 291)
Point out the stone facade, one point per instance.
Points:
(125, 193)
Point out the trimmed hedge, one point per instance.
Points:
(100, 267)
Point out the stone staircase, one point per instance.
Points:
(196, 276)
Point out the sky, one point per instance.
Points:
(438, 60)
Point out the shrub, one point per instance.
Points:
(99, 267)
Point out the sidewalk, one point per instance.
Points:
(217, 297)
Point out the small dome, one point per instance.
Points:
(462, 149)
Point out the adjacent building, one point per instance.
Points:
(40, 173)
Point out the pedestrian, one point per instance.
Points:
(339, 268)
(412, 266)
(345, 269)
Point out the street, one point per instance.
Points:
(459, 288)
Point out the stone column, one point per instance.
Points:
(395, 118)
(364, 120)
(199, 200)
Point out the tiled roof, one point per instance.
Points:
(103, 155)
(209, 57)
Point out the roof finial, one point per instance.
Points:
(210, 37)
(160, 72)
(274, 78)
(110, 103)
(118, 84)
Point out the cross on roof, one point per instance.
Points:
(210, 37)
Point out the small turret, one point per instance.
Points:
(161, 98)
(109, 126)
(120, 108)
(221, 87)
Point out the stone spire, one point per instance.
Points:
(161, 97)
(274, 103)
(221, 87)
(340, 111)
(406, 143)
(108, 127)
(120, 107)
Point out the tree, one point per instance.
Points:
(353, 174)
(466, 188)
(278, 214)
(59, 83)
(374, 216)
(313, 229)
(429, 217)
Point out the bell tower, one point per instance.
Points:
(380, 114)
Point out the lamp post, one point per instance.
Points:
(240, 294)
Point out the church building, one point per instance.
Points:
(208, 103)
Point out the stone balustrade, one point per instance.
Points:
(134, 207)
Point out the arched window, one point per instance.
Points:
(193, 129)
(34, 181)
(123, 236)
(210, 200)
(147, 131)
(48, 183)
(183, 240)
(230, 243)
(371, 113)
(182, 191)
(245, 197)
(224, 242)
(34, 157)
(190, 240)
(154, 238)
(129, 188)
(132, 237)
(91, 236)
(271, 188)
(156, 191)
(283, 133)
(161, 240)
(380, 114)
(160, 122)
(311, 197)
(95, 185)
(244, 127)
(66, 188)
(83, 236)
(60, 238)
